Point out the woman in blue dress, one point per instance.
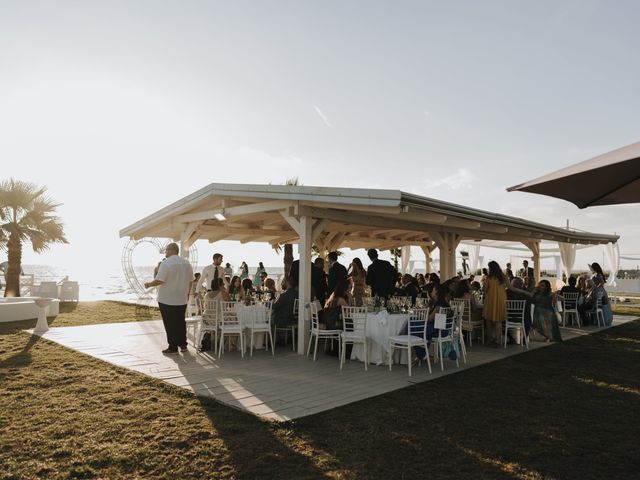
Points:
(545, 319)
(598, 282)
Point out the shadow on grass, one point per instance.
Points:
(68, 307)
(8, 332)
(255, 446)
(547, 413)
(566, 411)
(145, 312)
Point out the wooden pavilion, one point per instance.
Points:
(333, 218)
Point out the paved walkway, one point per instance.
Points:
(285, 387)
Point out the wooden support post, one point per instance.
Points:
(188, 238)
(427, 256)
(447, 243)
(304, 287)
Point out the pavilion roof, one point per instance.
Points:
(344, 217)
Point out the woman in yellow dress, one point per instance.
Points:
(495, 302)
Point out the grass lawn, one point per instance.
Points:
(91, 313)
(623, 309)
(567, 411)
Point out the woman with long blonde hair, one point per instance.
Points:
(358, 276)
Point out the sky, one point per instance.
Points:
(122, 107)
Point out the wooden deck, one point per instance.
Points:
(286, 387)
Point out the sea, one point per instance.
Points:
(111, 284)
(108, 284)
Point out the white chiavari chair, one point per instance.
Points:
(354, 331)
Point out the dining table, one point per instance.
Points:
(246, 315)
(380, 326)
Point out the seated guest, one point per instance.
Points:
(529, 283)
(439, 300)
(430, 279)
(269, 290)
(421, 281)
(464, 292)
(235, 289)
(571, 288)
(399, 280)
(438, 296)
(408, 289)
(429, 295)
(282, 309)
(247, 286)
(331, 318)
(582, 284)
(587, 302)
(332, 314)
(262, 275)
(217, 291)
(451, 287)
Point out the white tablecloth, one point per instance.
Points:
(380, 326)
(245, 316)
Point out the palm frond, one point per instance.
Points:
(29, 215)
(293, 181)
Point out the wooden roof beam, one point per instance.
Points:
(252, 208)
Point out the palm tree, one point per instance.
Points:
(26, 215)
(396, 253)
(288, 248)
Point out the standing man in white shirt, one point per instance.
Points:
(212, 272)
(173, 281)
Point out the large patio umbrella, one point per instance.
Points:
(609, 179)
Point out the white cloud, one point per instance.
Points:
(324, 118)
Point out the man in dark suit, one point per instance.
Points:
(508, 272)
(282, 310)
(381, 276)
(337, 272)
(526, 271)
(408, 288)
(318, 280)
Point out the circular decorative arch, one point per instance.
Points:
(127, 262)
